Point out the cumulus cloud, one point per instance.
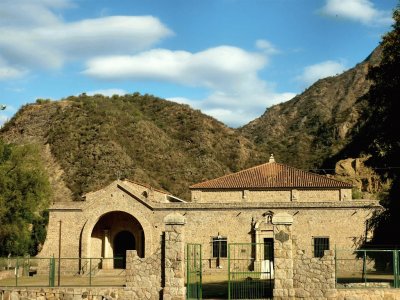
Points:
(3, 119)
(33, 35)
(211, 68)
(357, 10)
(236, 110)
(266, 46)
(10, 72)
(320, 70)
(22, 13)
(49, 41)
(107, 92)
(236, 93)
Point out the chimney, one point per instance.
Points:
(271, 158)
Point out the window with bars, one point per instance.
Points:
(320, 245)
(219, 247)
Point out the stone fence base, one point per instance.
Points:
(368, 294)
(67, 293)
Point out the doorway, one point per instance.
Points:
(124, 240)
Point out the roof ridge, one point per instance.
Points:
(315, 174)
(251, 178)
(230, 174)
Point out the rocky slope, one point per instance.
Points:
(314, 125)
(90, 141)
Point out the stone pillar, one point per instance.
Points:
(283, 256)
(107, 263)
(174, 258)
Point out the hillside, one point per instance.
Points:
(89, 141)
(316, 124)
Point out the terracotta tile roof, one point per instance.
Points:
(271, 175)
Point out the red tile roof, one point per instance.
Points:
(271, 175)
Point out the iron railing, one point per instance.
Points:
(39, 272)
(193, 271)
(250, 271)
(367, 268)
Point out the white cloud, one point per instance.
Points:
(33, 35)
(212, 68)
(22, 13)
(357, 10)
(3, 119)
(320, 70)
(236, 110)
(108, 92)
(6, 114)
(44, 40)
(236, 93)
(266, 46)
(8, 72)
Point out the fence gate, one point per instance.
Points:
(193, 271)
(250, 270)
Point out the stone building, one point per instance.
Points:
(249, 206)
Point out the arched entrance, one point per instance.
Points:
(114, 233)
(124, 240)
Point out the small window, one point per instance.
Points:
(320, 245)
(219, 247)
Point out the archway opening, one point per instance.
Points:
(114, 233)
(124, 240)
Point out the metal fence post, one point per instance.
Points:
(398, 268)
(364, 270)
(395, 268)
(49, 272)
(52, 271)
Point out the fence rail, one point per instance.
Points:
(39, 272)
(250, 270)
(368, 268)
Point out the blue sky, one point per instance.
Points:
(230, 58)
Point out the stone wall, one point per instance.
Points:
(143, 275)
(368, 294)
(160, 275)
(283, 261)
(174, 258)
(67, 293)
(342, 221)
(147, 192)
(314, 277)
(284, 195)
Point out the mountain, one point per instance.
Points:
(89, 141)
(317, 124)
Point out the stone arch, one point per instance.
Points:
(99, 212)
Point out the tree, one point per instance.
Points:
(24, 197)
(383, 134)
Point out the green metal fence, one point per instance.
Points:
(250, 271)
(39, 272)
(369, 268)
(193, 271)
